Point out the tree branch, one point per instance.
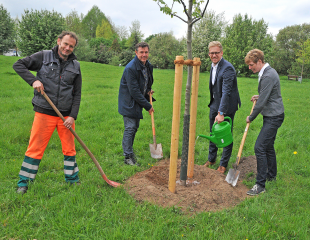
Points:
(185, 11)
(202, 14)
(180, 18)
(204, 10)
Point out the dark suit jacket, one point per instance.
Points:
(224, 94)
(131, 100)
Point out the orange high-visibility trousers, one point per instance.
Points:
(42, 129)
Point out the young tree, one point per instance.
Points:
(193, 14)
(6, 30)
(209, 28)
(91, 21)
(38, 30)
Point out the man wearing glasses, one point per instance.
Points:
(224, 99)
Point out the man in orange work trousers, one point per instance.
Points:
(59, 75)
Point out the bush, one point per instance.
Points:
(103, 55)
(126, 56)
(115, 61)
(83, 51)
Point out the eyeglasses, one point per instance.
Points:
(214, 53)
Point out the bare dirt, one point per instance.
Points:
(212, 193)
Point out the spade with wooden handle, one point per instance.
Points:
(233, 174)
(155, 149)
(112, 183)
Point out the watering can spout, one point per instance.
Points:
(210, 138)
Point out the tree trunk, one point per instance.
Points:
(186, 121)
(302, 67)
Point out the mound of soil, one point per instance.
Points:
(207, 191)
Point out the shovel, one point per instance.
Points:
(233, 174)
(155, 149)
(112, 183)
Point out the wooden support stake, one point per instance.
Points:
(193, 114)
(175, 124)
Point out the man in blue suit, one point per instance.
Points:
(134, 90)
(224, 99)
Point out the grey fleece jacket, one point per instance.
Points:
(270, 101)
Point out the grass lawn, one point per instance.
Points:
(53, 210)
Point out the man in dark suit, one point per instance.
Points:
(134, 90)
(224, 99)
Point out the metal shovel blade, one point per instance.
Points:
(232, 177)
(156, 150)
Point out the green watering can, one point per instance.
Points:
(221, 133)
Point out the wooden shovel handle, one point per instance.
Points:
(112, 183)
(244, 137)
(153, 123)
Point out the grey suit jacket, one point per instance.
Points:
(224, 94)
(270, 101)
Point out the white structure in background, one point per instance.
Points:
(11, 52)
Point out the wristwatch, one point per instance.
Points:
(221, 113)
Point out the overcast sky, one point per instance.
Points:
(277, 13)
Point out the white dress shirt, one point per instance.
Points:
(260, 74)
(214, 67)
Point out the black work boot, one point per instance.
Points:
(131, 160)
(22, 190)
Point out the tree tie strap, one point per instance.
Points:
(188, 62)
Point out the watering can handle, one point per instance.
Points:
(224, 119)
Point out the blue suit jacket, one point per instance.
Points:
(131, 100)
(224, 94)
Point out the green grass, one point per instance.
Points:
(53, 210)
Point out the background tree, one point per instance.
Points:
(83, 51)
(6, 30)
(38, 30)
(286, 41)
(149, 38)
(90, 22)
(74, 22)
(209, 28)
(103, 55)
(115, 47)
(243, 35)
(126, 56)
(122, 34)
(302, 65)
(104, 29)
(135, 35)
(163, 49)
(101, 48)
(193, 14)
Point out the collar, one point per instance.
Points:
(260, 74)
(140, 64)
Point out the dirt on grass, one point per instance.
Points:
(207, 191)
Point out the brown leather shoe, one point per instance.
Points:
(208, 163)
(221, 169)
